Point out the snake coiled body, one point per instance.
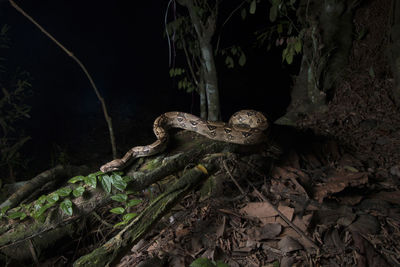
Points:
(244, 127)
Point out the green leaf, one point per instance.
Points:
(120, 223)
(242, 59)
(129, 192)
(91, 180)
(119, 197)
(202, 262)
(129, 216)
(106, 183)
(297, 45)
(78, 191)
(289, 57)
(43, 209)
(97, 173)
(23, 216)
(273, 13)
(16, 215)
(36, 207)
(243, 13)
(42, 199)
(253, 6)
(76, 179)
(4, 209)
(66, 207)
(53, 197)
(292, 2)
(133, 202)
(64, 192)
(118, 182)
(118, 210)
(229, 62)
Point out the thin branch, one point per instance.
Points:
(297, 229)
(69, 53)
(227, 19)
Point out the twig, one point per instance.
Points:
(226, 20)
(69, 53)
(297, 229)
(233, 178)
(33, 252)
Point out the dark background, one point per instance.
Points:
(122, 45)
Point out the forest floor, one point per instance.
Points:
(342, 192)
(332, 199)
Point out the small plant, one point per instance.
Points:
(63, 196)
(123, 199)
(283, 31)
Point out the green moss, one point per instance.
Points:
(151, 164)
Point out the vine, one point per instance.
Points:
(62, 198)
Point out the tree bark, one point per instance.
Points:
(204, 32)
(113, 250)
(327, 42)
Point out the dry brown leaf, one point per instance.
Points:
(178, 261)
(290, 232)
(221, 228)
(365, 224)
(289, 244)
(339, 182)
(300, 222)
(366, 254)
(268, 231)
(287, 261)
(391, 197)
(287, 211)
(350, 200)
(196, 244)
(181, 231)
(259, 210)
(268, 220)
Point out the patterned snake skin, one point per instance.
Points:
(245, 127)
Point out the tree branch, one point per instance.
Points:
(69, 53)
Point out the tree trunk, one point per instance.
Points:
(204, 32)
(327, 42)
(203, 100)
(211, 81)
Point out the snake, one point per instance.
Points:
(245, 127)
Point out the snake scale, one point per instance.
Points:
(245, 127)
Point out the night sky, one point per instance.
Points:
(122, 45)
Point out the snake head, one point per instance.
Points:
(115, 165)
